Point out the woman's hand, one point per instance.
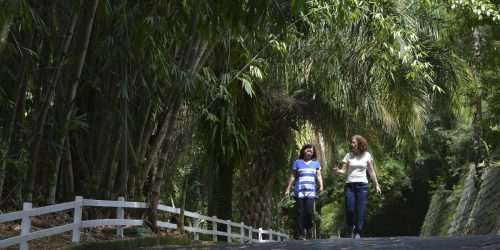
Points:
(338, 170)
(342, 170)
(287, 192)
(377, 188)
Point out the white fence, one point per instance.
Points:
(244, 233)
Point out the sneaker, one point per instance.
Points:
(357, 236)
(309, 233)
(302, 237)
(350, 232)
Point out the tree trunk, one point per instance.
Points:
(69, 176)
(172, 119)
(124, 170)
(223, 195)
(126, 143)
(46, 93)
(137, 150)
(210, 183)
(259, 182)
(113, 169)
(183, 205)
(477, 129)
(11, 131)
(9, 9)
(258, 212)
(151, 158)
(191, 57)
(156, 186)
(75, 70)
(104, 155)
(16, 147)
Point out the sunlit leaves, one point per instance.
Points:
(247, 86)
(280, 47)
(480, 8)
(372, 61)
(256, 72)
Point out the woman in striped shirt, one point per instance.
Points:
(305, 170)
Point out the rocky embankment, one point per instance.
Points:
(472, 209)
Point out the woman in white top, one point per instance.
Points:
(356, 164)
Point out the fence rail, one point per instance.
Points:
(244, 233)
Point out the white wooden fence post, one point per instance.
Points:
(77, 218)
(270, 235)
(196, 224)
(242, 232)
(214, 228)
(26, 225)
(250, 234)
(279, 237)
(120, 214)
(260, 234)
(228, 231)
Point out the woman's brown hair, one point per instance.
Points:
(362, 143)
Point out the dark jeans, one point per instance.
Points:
(356, 194)
(305, 210)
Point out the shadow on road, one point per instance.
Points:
(427, 243)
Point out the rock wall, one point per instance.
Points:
(465, 206)
(436, 218)
(483, 217)
(477, 212)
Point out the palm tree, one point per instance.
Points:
(368, 73)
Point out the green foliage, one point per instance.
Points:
(443, 153)
(393, 70)
(480, 8)
(286, 202)
(395, 178)
(490, 77)
(333, 220)
(369, 65)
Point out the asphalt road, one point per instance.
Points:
(455, 242)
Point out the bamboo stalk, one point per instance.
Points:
(75, 70)
(38, 120)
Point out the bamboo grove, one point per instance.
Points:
(199, 103)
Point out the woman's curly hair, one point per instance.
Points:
(362, 143)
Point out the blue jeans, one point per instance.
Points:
(356, 194)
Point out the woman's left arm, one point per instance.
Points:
(373, 175)
(320, 180)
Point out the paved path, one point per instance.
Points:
(456, 243)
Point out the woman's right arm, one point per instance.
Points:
(343, 170)
(290, 182)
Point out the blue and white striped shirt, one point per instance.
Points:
(305, 182)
